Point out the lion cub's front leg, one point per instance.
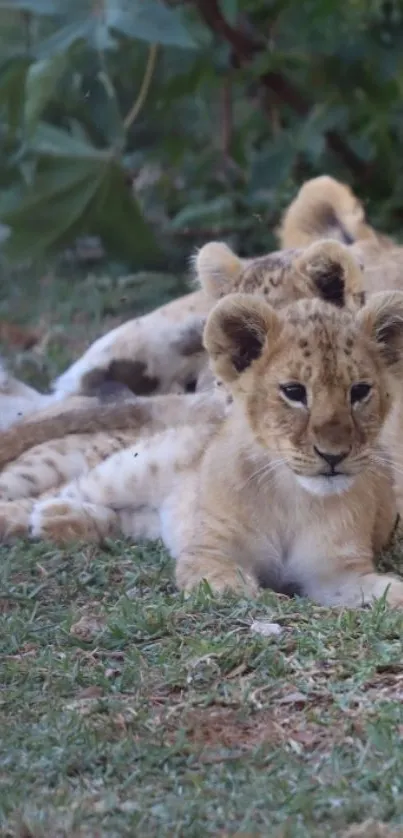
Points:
(220, 572)
(343, 574)
(357, 589)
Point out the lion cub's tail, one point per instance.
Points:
(145, 414)
(324, 209)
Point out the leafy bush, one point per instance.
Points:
(157, 125)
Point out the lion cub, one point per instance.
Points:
(291, 489)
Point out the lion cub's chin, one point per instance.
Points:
(325, 486)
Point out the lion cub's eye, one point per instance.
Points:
(294, 393)
(360, 392)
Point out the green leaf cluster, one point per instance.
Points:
(157, 125)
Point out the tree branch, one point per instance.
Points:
(145, 86)
(244, 47)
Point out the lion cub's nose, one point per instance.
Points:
(332, 460)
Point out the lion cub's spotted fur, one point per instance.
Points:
(63, 447)
(50, 450)
(162, 352)
(243, 501)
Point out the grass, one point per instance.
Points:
(126, 709)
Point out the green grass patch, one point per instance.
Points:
(126, 709)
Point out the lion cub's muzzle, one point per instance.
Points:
(330, 474)
(331, 462)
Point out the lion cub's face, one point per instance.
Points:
(313, 380)
(319, 398)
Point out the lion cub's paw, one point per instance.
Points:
(14, 519)
(190, 575)
(61, 521)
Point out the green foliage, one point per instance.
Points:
(157, 125)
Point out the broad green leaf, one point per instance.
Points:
(38, 7)
(311, 139)
(12, 82)
(211, 212)
(51, 183)
(362, 146)
(51, 211)
(76, 195)
(106, 114)
(42, 80)
(120, 223)
(274, 164)
(54, 142)
(10, 199)
(184, 82)
(64, 38)
(150, 21)
(77, 131)
(324, 117)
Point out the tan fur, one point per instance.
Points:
(324, 209)
(280, 278)
(44, 455)
(17, 399)
(243, 500)
(20, 403)
(157, 353)
(160, 352)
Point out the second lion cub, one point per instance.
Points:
(291, 489)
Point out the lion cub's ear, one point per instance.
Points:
(217, 269)
(382, 319)
(334, 273)
(236, 333)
